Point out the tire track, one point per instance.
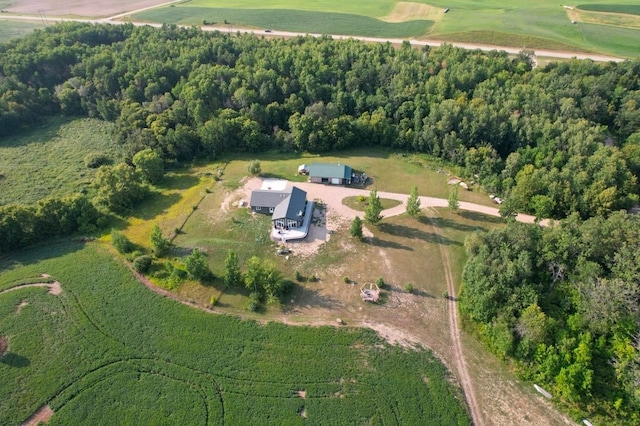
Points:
(454, 328)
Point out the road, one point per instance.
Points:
(276, 33)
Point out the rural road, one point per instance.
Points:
(225, 28)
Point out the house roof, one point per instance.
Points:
(293, 207)
(268, 198)
(330, 170)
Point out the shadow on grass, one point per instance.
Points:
(305, 297)
(481, 217)
(375, 241)
(14, 360)
(413, 233)
(154, 205)
(44, 250)
(443, 223)
(179, 181)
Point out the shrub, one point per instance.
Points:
(380, 282)
(213, 300)
(254, 167)
(298, 276)
(120, 242)
(93, 160)
(255, 299)
(408, 287)
(142, 263)
(346, 280)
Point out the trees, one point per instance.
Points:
(149, 164)
(413, 203)
(232, 275)
(263, 278)
(453, 202)
(120, 242)
(356, 228)
(159, 243)
(373, 209)
(118, 187)
(254, 168)
(197, 266)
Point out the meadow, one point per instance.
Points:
(543, 24)
(108, 348)
(49, 160)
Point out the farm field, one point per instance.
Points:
(11, 29)
(540, 25)
(50, 160)
(107, 347)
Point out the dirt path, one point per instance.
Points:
(54, 287)
(454, 328)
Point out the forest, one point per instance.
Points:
(560, 141)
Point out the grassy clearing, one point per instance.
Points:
(49, 160)
(611, 19)
(356, 203)
(14, 29)
(289, 20)
(109, 348)
(409, 11)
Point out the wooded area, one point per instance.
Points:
(563, 303)
(535, 137)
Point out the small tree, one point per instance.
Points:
(120, 242)
(149, 164)
(356, 228)
(454, 204)
(254, 167)
(373, 209)
(159, 242)
(197, 266)
(413, 203)
(232, 275)
(142, 263)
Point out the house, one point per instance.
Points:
(334, 174)
(287, 206)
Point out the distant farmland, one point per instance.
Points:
(544, 24)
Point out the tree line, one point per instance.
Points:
(563, 303)
(553, 141)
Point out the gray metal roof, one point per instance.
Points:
(268, 198)
(293, 207)
(330, 170)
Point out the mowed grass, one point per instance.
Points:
(49, 160)
(108, 348)
(543, 24)
(13, 29)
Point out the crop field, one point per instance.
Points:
(12, 29)
(544, 24)
(106, 347)
(49, 160)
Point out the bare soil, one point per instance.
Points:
(4, 345)
(43, 415)
(90, 8)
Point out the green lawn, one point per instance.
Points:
(543, 24)
(49, 160)
(108, 348)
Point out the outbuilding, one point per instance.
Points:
(330, 173)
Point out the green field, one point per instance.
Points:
(14, 29)
(107, 350)
(544, 24)
(49, 160)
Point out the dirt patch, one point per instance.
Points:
(302, 394)
(4, 345)
(43, 415)
(78, 7)
(393, 335)
(22, 304)
(55, 288)
(408, 11)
